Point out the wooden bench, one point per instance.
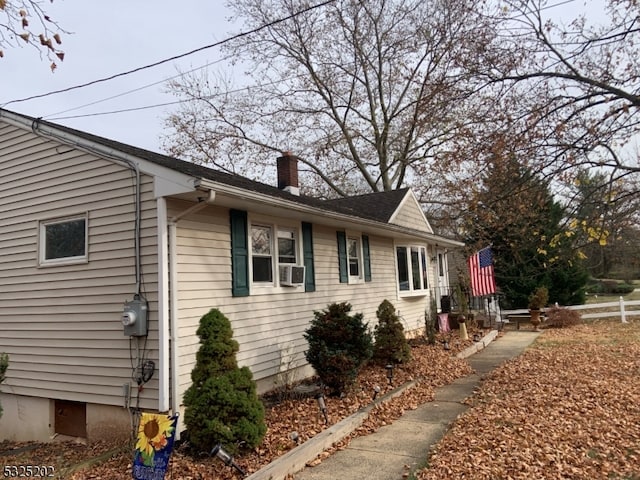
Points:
(523, 318)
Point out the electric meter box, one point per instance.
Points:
(134, 317)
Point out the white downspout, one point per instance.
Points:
(170, 236)
(175, 347)
(164, 319)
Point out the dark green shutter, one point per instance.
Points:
(342, 257)
(367, 258)
(307, 253)
(239, 253)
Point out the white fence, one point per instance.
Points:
(609, 309)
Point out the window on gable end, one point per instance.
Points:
(63, 240)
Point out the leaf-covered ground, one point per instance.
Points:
(569, 408)
(432, 364)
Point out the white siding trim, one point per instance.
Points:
(164, 319)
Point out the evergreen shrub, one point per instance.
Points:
(221, 405)
(4, 364)
(339, 345)
(390, 345)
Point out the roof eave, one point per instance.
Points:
(367, 225)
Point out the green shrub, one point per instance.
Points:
(623, 288)
(611, 287)
(390, 345)
(4, 364)
(560, 317)
(339, 345)
(538, 298)
(221, 405)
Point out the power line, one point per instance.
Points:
(147, 107)
(176, 57)
(208, 64)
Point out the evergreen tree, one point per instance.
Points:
(390, 345)
(221, 405)
(515, 212)
(339, 345)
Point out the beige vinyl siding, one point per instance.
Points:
(61, 324)
(411, 216)
(268, 325)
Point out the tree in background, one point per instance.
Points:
(25, 22)
(365, 92)
(221, 405)
(514, 211)
(577, 86)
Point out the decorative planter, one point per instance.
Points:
(535, 319)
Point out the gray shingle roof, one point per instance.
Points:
(373, 206)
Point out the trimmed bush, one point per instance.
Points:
(560, 317)
(390, 345)
(4, 364)
(221, 405)
(339, 345)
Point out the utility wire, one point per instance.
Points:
(208, 64)
(176, 57)
(156, 105)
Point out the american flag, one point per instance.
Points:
(483, 280)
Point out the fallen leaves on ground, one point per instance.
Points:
(431, 366)
(568, 408)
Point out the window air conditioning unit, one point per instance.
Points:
(291, 275)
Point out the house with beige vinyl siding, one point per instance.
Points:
(110, 254)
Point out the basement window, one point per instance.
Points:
(63, 240)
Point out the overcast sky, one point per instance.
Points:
(116, 36)
(109, 38)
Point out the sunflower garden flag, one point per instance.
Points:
(153, 448)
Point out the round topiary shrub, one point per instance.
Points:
(339, 345)
(221, 405)
(390, 345)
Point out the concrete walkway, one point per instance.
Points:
(400, 448)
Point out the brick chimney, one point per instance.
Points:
(288, 173)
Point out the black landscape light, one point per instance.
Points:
(389, 367)
(295, 437)
(376, 391)
(476, 337)
(221, 453)
(322, 406)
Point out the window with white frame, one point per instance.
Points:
(411, 262)
(63, 240)
(354, 257)
(287, 251)
(272, 246)
(261, 253)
